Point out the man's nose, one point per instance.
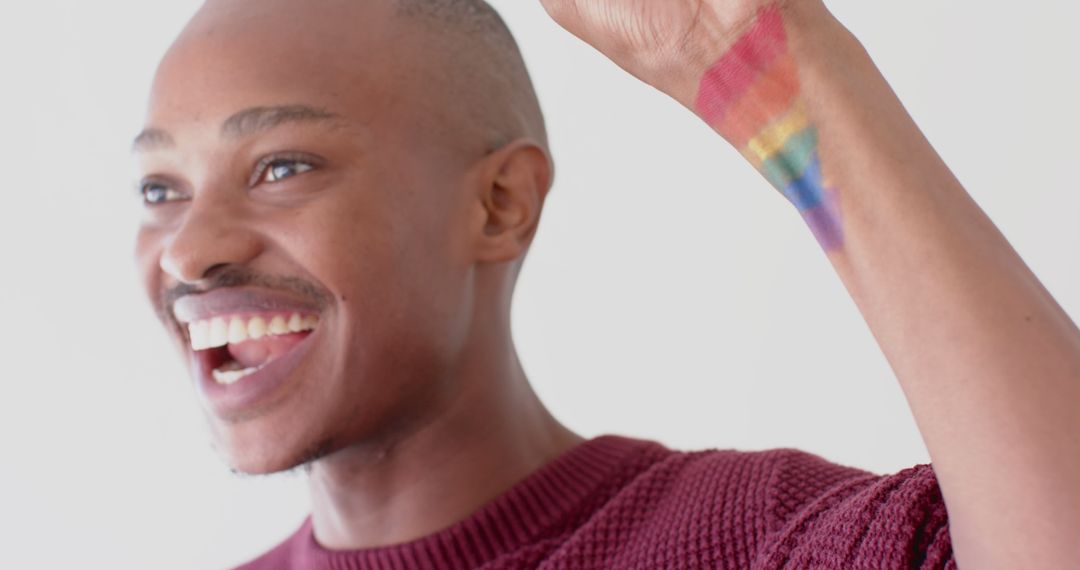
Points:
(211, 234)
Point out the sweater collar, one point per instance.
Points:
(535, 507)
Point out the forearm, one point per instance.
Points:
(988, 361)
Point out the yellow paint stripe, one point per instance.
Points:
(769, 141)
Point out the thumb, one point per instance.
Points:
(566, 13)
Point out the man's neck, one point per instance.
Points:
(491, 434)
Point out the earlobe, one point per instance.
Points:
(512, 192)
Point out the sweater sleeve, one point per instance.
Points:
(823, 515)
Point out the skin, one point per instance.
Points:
(988, 361)
(409, 228)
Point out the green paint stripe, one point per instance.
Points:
(792, 160)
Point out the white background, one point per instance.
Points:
(671, 293)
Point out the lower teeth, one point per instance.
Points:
(232, 376)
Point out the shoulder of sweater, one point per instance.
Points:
(858, 518)
(779, 481)
(804, 485)
(727, 494)
(779, 486)
(779, 466)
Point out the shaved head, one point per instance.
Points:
(464, 54)
(483, 66)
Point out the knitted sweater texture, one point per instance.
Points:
(621, 503)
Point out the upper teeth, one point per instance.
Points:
(220, 331)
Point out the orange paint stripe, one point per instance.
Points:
(769, 99)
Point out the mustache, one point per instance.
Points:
(237, 276)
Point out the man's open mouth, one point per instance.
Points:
(236, 346)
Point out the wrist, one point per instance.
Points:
(752, 94)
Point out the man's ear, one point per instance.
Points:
(513, 183)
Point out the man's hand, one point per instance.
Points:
(655, 40)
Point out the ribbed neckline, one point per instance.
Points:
(518, 517)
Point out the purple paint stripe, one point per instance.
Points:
(730, 78)
(824, 222)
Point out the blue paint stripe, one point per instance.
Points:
(808, 190)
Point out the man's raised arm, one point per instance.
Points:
(990, 364)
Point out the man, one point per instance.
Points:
(340, 193)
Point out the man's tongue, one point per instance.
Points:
(252, 353)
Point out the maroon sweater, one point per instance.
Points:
(614, 502)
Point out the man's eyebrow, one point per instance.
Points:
(241, 124)
(255, 119)
(152, 139)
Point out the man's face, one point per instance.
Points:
(313, 236)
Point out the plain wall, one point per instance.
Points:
(671, 293)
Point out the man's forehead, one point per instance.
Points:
(394, 75)
(240, 72)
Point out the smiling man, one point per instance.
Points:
(339, 195)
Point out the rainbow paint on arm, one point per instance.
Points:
(751, 96)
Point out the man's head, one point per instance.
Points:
(344, 190)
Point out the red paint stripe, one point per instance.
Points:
(768, 100)
(730, 78)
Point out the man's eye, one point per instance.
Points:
(281, 169)
(157, 193)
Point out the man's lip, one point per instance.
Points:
(238, 301)
(234, 402)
